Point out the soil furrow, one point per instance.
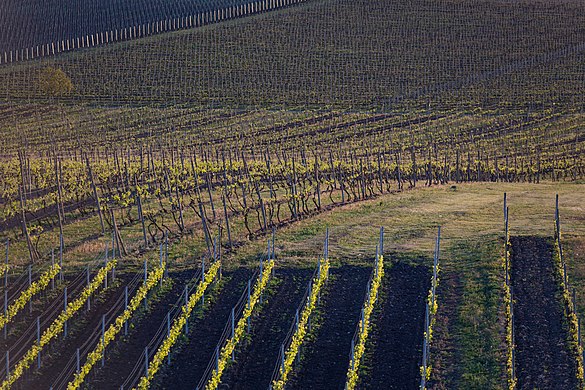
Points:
(255, 362)
(324, 361)
(191, 359)
(394, 348)
(543, 359)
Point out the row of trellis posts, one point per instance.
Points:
(280, 361)
(429, 313)
(508, 284)
(142, 366)
(34, 331)
(508, 287)
(572, 292)
(235, 315)
(143, 30)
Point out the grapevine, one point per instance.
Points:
(115, 327)
(228, 348)
(364, 325)
(301, 331)
(178, 324)
(36, 287)
(57, 326)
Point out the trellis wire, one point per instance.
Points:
(19, 348)
(288, 339)
(429, 314)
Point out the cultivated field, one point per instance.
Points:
(330, 194)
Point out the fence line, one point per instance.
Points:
(569, 295)
(143, 30)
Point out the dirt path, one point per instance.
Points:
(255, 362)
(395, 343)
(325, 360)
(543, 359)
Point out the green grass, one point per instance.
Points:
(469, 347)
(469, 337)
(471, 294)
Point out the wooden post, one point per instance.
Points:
(95, 195)
(168, 334)
(227, 221)
(119, 243)
(233, 318)
(29, 284)
(61, 245)
(146, 361)
(249, 293)
(202, 279)
(125, 308)
(186, 302)
(145, 277)
(31, 249)
(5, 311)
(88, 298)
(103, 338)
(65, 310)
(39, 342)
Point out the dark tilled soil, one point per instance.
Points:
(255, 362)
(543, 359)
(324, 362)
(123, 354)
(444, 354)
(80, 327)
(192, 358)
(394, 348)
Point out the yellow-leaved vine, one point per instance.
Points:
(179, 323)
(57, 325)
(35, 288)
(571, 316)
(226, 352)
(360, 346)
(94, 356)
(301, 331)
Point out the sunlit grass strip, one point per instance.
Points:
(364, 328)
(94, 356)
(572, 321)
(178, 325)
(301, 332)
(226, 352)
(35, 288)
(57, 326)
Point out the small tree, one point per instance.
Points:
(54, 82)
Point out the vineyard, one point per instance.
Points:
(281, 194)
